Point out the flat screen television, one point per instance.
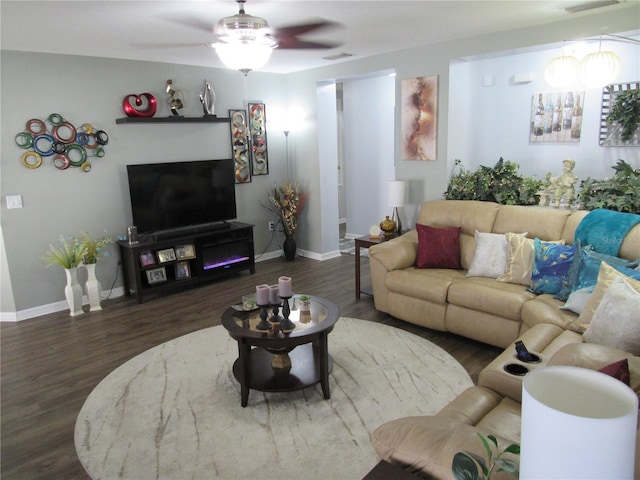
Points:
(174, 195)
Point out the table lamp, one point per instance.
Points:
(577, 423)
(395, 199)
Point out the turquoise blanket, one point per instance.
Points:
(605, 230)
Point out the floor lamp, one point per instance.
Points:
(395, 199)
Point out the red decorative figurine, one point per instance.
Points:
(131, 111)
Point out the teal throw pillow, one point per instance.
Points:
(551, 266)
(583, 272)
(584, 269)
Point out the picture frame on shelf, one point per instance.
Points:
(156, 275)
(166, 255)
(147, 258)
(183, 271)
(186, 251)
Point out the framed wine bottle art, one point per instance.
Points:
(556, 117)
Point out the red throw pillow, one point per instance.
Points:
(619, 370)
(438, 247)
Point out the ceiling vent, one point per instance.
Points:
(591, 5)
(338, 56)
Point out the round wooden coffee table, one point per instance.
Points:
(273, 361)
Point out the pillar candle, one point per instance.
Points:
(284, 286)
(273, 294)
(262, 294)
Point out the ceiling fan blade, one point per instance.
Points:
(287, 37)
(297, 44)
(296, 30)
(189, 21)
(161, 46)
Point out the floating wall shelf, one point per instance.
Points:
(174, 119)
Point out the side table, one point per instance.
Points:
(366, 242)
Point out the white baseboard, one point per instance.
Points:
(50, 308)
(119, 292)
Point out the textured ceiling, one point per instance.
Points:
(164, 31)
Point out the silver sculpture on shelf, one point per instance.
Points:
(207, 98)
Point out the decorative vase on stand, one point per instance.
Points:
(94, 289)
(73, 292)
(289, 248)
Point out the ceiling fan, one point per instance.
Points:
(245, 42)
(245, 27)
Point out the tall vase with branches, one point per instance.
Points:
(286, 202)
(69, 256)
(94, 248)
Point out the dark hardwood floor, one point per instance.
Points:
(50, 364)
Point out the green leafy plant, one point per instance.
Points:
(69, 255)
(93, 247)
(626, 111)
(470, 466)
(620, 192)
(501, 184)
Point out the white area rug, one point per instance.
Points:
(174, 411)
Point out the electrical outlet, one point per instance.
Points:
(272, 226)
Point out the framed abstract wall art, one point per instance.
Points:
(258, 134)
(419, 118)
(240, 145)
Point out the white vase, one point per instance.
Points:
(94, 289)
(73, 292)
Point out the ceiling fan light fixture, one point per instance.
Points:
(244, 56)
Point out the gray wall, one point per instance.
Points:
(85, 89)
(91, 90)
(428, 179)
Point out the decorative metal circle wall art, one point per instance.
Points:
(146, 105)
(258, 132)
(240, 145)
(175, 103)
(58, 139)
(208, 98)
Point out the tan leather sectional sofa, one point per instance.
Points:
(484, 309)
(480, 308)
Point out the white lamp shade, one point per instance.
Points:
(599, 69)
(395, 193)
(561, 71)
(244, 56)
(577, 423)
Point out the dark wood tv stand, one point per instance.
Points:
(174, 262)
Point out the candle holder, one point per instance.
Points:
(263, 325)
(286, 325)
(275, 318)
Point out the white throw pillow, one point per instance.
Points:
(616, 321)
(578, 299)
(490, 255)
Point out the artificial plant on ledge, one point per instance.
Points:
(620, 192)
(501, 184)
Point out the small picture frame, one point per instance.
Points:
(156, 275)
(147, 258)
(186, 251)
(166, 255)
(182, 270)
